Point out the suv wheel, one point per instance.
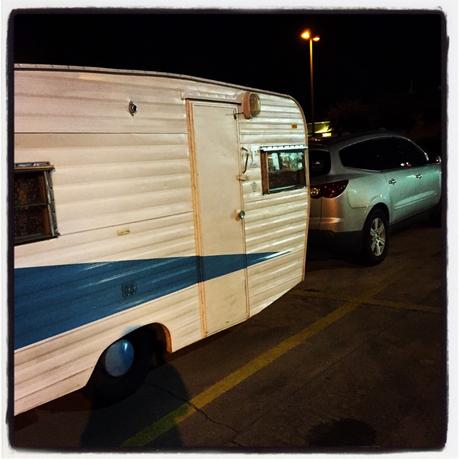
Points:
(375, 238)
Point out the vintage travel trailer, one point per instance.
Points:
(149, 208)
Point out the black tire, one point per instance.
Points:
(436, 215)
(103, 389)
(375, 238)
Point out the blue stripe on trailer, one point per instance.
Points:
(49, 300)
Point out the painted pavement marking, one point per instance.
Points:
(407, 305)
(172, 419)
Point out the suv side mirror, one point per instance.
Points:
(434, 159)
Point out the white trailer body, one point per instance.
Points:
(161, 205)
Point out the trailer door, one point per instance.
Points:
(219, 225)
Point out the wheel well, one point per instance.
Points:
(159, 334)
(383, 208)
(162, 336)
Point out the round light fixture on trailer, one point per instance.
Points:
(251, 104)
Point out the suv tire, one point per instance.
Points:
(375, 236)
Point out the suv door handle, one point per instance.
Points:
(392, 181)
(418, 175)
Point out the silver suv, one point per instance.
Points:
(361, 185)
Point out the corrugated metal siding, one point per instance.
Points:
(43, 370)
(95, 103)
(94, 197)
(115, 172)
(280, 122)
(278, 220)
(269, 281)
(164, 237)
(99, 103)
(112, 172)
(280, 223)
(97, 185)
(123, 175)
(92, 102)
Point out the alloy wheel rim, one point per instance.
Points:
(377, 237)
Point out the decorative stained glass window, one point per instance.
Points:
(282, 170)
(34, 212)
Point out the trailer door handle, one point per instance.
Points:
(246, 159)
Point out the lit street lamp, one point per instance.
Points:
(308, 36)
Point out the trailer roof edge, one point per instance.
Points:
(71, 68)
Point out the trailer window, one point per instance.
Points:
(34, 212)
(282, 170)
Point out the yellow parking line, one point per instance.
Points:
(184, 411)
(233, 379)
(372, 301)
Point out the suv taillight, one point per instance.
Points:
(328, 190)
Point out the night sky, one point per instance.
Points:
(366, 56)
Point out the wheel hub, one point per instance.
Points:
(378, 237)
(119, 358)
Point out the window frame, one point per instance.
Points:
(48, 206)
(264, 152)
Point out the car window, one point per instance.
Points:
(319, 162)
(401, 153)
(412, 154)
(363, 155)
(383, 154)
(392, 156)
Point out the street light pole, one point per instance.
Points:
(311, 68)
(306, 35)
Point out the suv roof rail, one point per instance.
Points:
(343, 136)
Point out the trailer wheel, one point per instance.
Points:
(122, 367)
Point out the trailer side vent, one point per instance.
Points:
(34, 210)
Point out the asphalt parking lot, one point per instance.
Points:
(353, 359)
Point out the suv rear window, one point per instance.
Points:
(319, 162)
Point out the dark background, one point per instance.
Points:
(372, 69)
